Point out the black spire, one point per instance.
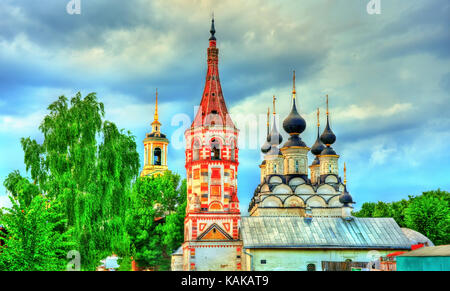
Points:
(294, 124)
(318, 146)
(328, 137)
(266, 146)
(212, 30)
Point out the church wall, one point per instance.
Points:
(298, 259)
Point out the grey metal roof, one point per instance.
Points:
(322, 232)
(439, 251)
(416, 237)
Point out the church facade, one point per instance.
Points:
(211, 237)
(300, 213)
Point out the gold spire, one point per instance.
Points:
(327, 105)
(345, 174)
(268, 117)
(318, 121)
(274, 98)
(293, 87)
(156, 106)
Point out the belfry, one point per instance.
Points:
(211, 238)
(155, 148)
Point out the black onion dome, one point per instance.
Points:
(328, 136)
(317, 147)
(345, 198)
(294, 141)
(328, 151)
(294, 123)
(274, 138)
(265, 147)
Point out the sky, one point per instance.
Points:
(387, 76)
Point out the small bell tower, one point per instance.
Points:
(155, 148)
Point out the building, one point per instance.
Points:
(300, 213)
(211, 238)
(300, 219)
(425, 259)
(155, 148)
(294, 243)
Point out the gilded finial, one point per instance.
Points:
(274, 98)
(293, 87)
(318, 120)
(327, 105)
(345, 174)
(156, 105)
(268, 117)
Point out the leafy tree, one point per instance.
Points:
(155, 219)
(397, 210)
(382, 209)
(35, 240)
(430, 216)
(367, 210)
(88, 165)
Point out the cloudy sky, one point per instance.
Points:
(387, 75)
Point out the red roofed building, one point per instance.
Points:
(211, 238)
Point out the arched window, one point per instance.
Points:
(196, 151)
(275, 168)
(215, 149)
(296, 166)
(157, 157)
(311, 267)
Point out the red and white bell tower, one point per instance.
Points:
(211, 237)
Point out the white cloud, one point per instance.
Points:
(4, 201)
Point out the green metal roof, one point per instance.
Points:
(322, 232)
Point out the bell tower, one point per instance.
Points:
(211, 239)
(155, 148)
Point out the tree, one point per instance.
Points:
(88, 165)
(367, 210)
(155, 219)
(36, 240)
(430, 216)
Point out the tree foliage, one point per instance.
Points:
(155, 219)
(87, 165)
(36, 238)
(428, 214)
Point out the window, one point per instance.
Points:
(296, 167)
(157, 157)
(311, 267)
(215, 149)
(196, 151)
(263, 262)
(233, 151)
(275, 168)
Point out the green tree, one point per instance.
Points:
(155, 219)
(366, 210)
(36, 239)
(430, 216)
(88, 165)
(382, 209)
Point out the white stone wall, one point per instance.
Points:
(297, 259)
